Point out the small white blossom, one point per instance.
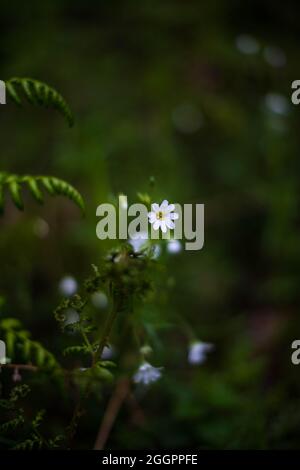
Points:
(162, 216)
(147, 374)
(99, 300)
(174, 246)
(107, 353)
(198, 351)
(146, 350)
(68, 286)
(277, 104)
(71, 317)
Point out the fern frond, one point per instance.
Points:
(13, 423)
(38, 93)
(76, 349)
(55, 186)
(18, 392)
(34, 442)
(38, 419)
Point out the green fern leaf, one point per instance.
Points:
(19, 343)
(54, 186)
(57, 186)
(34, 189)
(15, 191)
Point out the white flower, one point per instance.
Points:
(71, 317)
(156, 251)
(197, 352)
(162, 216)
(138, 240)
(99, 300)
(147, 374)
(174, 246)
(68, 286)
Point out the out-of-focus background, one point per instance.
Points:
(196, 95)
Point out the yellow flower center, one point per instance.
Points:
(159, 215)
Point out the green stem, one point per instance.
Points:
(86, 340)
(106, 333)
(96, 356)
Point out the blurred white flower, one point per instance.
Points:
(198, 351)
(277, 103)
(275, 56)
(107, 353)
(68, 286)
(99, 300)
(147, 374)
(146, 350)
(247, 44)
(162, 216)
(174, 246)
(138, 240)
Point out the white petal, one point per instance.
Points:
(155, 207)
(156, 224)
(164, 205)
(174, 216)
(174, 246)
(152, 217)
(156, 250)
(163, 226)
(170, 207)
(170, 223)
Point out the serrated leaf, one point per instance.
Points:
(55, 187)
(40, 93)
(35, 190)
